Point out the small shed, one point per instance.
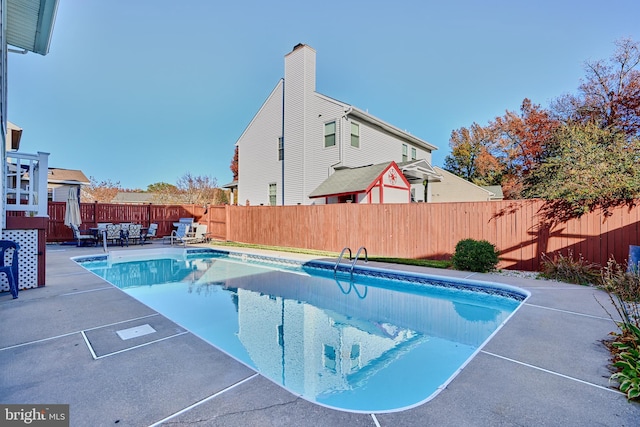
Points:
(381, 183)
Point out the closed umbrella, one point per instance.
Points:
(72, 214)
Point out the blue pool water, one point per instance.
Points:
(379, 341)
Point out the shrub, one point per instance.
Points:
(475, 255)
(623, 287)
(570, 270)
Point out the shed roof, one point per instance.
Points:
(349, 180)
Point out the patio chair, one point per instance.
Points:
(150, 233)
(134, 233)
(83, 238)
(11, 269)
(113, 233)
(200, 235)
(182, 234)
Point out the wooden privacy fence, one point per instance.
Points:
(432, 230)
(417, 230)
(163, 215)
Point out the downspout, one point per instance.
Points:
(282, 142)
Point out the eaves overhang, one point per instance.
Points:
(30, 24)
(361, 115)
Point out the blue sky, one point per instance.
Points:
(143, 91)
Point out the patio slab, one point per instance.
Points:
(546, 366)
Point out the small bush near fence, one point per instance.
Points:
(475, 255)
(570, 270)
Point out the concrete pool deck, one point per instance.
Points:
(546, 366)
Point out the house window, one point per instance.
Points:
(355, 134)
(330, 134)
(329, 357)
(413, 153)
(281, 148)
(272, 193)
(405, 149)
(50, 194)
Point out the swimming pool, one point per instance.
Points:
(377, 341)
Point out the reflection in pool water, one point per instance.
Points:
(368, 344)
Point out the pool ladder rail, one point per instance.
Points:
(353, 263)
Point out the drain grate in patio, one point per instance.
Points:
(115, 338)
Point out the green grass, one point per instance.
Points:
(406, 261)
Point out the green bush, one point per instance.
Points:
(475, 255)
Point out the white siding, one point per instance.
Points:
(258, 163)
(320, 159)
(377, 146)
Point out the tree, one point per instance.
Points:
(587, 167)
(471, 156)
(522, 140)
(198, 189)
(234, 164)
(100, 191)
(165, 193)
(610, 93)
(505, 150)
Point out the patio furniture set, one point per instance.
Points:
(121, 234)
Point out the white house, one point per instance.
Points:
(300, 138)
(303, 147)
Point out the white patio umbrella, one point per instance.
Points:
(72, 213)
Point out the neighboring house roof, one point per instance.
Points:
(349, 180)
(419, 170)
(67, 176)
(457, 189)
(130, 197)
(496, 190)
(232, 184)
(30, 24)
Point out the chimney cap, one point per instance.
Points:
(298, 46)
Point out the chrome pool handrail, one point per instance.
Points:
(335, 267)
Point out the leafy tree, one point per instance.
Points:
(161, 187)
(165, 193)
(100, 191)
(503, 152)
(234, 164)
(522, 140)
(610, 93)
(471, 156)
(586, 167)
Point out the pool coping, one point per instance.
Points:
(527, 374)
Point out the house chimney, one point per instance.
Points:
(300, 68)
